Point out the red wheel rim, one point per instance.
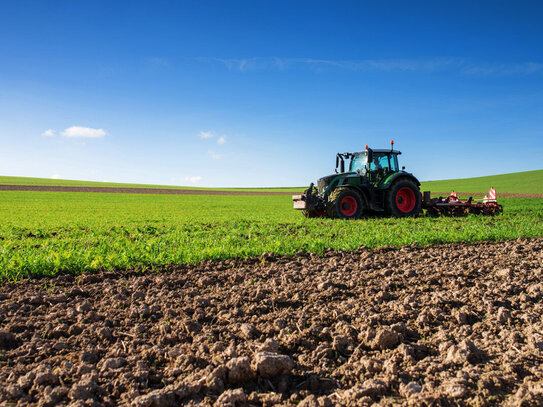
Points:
(348, 206)
(405, 200)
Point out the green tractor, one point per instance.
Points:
(373, 183)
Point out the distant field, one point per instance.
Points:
(45, 233)
(529, 182)
(5, 180)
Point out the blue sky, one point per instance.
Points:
(257, 93)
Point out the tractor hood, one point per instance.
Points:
(323, 182)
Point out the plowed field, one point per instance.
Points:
(450, 324)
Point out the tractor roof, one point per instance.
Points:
(386, 151)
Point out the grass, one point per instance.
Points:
(528, 182)
(46, 233)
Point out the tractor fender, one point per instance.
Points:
(387, 182)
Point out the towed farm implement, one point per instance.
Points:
(374, 183)
(452, 205)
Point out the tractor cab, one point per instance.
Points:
(374, 161)
(374, 165)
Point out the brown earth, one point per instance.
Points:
(206, 192)
(135, 190)
(445, 325)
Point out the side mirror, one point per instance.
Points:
(342, 166)
(370, 155)
(337, 161)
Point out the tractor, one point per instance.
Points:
(372, 183)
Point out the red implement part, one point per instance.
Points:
(454, 206)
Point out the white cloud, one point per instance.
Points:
(463, 66)
(388, 65)
(49, 133)
(83, 132)
(161, 62)
(527, 68)
(55, 176)
(206, 135)
(221, 140)
(194, 179)
(214, 155)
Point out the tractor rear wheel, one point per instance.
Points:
(345, 203)
(403, 199)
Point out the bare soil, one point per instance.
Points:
(444, 325)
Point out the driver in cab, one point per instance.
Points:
(378, 169)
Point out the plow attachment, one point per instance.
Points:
(454, 206)
(311, 204)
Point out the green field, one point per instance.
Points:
(6, 180)
(528, 182)
(45, 233)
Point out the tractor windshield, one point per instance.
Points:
(381, 162)
(358, 162)
(384, 161)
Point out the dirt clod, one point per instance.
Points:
(7, 340)
(248, 331)
(503, 315)
(113, 363)
(232, 398)
(386, 338)
(271, 364)
(84, 306)
(239, 370)
(410, 389)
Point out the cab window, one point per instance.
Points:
(387, 162)
(379, 162)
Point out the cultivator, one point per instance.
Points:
(454, 206)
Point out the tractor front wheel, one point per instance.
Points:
(309, 213)
(345, 203)
(403, 199)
